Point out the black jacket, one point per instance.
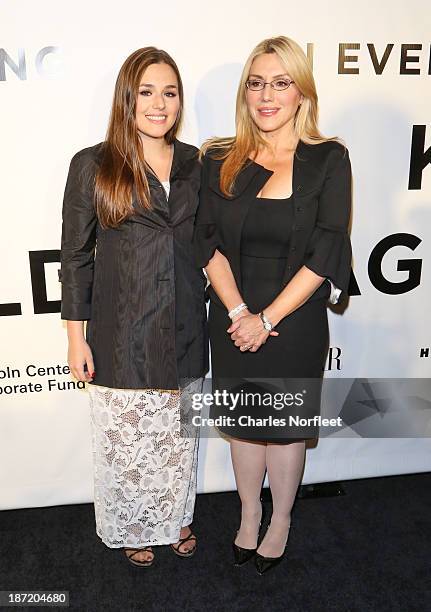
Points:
(142, 294)
(321, 204)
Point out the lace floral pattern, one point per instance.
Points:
(144, 470)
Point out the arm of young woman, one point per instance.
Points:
(79, 354)
(78, 243)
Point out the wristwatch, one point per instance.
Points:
(266, 322)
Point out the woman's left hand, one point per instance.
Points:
(248, 333)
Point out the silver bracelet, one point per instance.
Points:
(236, 310)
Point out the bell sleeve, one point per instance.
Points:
(78, 240)
(329, 251)
(206, 236)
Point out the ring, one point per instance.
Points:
(245, 347)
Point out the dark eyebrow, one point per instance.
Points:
(277, 76)
(151, 85)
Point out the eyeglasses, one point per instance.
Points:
(277, 84)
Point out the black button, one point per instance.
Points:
(289, 268)
(293, 248)
(299, 188)
(298, 208)
(180, 327)
(298, 228)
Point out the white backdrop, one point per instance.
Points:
(58, 64)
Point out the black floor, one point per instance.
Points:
(366, 551)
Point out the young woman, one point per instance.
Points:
(271, 233)
(127, 268)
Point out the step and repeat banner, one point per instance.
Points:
(372, 65)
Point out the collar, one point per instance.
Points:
(183, 155)
(304, 177)
(250, 173)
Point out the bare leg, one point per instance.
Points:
(285, 463)
(248, 460)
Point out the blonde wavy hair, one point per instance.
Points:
(237, 149)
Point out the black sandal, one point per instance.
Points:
(182, 541)
(139, 563)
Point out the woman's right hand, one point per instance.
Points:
(257, 342)
(79, 355)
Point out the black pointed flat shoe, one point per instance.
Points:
(242, 555)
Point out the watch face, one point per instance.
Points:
(267, 326)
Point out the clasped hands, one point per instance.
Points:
(247, 332)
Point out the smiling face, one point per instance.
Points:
(158, 101)
(272, 110)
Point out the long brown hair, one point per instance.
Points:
(122, 167)
(236, 150)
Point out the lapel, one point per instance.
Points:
(183, 154)
(306, 174)
(184, 167)
(248, 183)
(164, 209)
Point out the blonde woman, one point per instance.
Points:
(128, 215)
(271, 233)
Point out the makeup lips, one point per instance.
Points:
(267, 111)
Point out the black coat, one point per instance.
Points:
(321, 206)
(142, 294)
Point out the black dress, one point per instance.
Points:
(299, 352)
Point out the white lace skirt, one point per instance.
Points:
(144, 471)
